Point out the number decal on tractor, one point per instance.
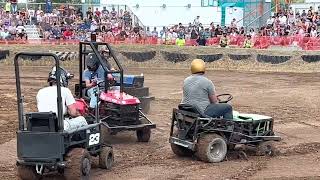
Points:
(94, 139)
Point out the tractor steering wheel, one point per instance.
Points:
(111, 82)
(229, 98)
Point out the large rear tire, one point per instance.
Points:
(143, 135)
(106, 158)
(27, 173)
(78, 165)
(211, 148)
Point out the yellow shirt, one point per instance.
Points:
(7, 6)
(248, 44)
(180, 42)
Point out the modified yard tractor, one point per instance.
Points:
(209, 139)
(43, 146)
(123, 101)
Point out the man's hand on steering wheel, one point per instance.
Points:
(229, 98)
(93, 82)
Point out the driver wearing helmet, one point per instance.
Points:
(200, 92)
(47, 100)
(92, 75)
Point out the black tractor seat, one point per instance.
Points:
(193, 109)
(42, 122)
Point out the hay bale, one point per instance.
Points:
(310, 58)
(209, 57)
(32, 58)
(272, 59)
(139, 56)
(238, 57)
(174, 57)
(4, 54)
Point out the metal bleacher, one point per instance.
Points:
(32, 32)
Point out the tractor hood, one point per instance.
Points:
(114, 96)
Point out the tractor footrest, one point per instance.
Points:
(183, 143)
(129, 127)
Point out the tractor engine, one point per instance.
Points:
(119, 108)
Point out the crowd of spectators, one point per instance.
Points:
(68, 22)
(197, 31)
(283, 23)
(287, 23)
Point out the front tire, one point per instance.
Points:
(143, 135)
(106, 158)
(211, 148)
(78, 165)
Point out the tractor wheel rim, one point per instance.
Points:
(86, 167)
(215, 149)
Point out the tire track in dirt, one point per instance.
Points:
(7, 172)
(258, 164)
(300, 149)
(308, 124)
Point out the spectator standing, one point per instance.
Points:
(113, 13)
(270, 21)
(13, 4)
(31, 14)
(196, 21)
(233, 24)
(304, 14)
(163, 32)
(155, 32)
(148, 33)
(79, 13)
(89, 14)
(7, 7)
(97, 12)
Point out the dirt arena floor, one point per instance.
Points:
(292, 99)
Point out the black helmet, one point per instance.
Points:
(92, 61)
(64, 76)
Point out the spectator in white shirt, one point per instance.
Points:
(270, 21)
(5, 34)
(313, 32)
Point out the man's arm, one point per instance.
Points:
(86, 78)
(71, 104)
(212, 94)
(90, 84)
(213, 99)
(73, 111)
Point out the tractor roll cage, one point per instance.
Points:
(18, 86)
(94, 46)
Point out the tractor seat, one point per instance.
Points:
(42, 122)
(191, 108)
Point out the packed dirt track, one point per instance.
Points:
(292, 99)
